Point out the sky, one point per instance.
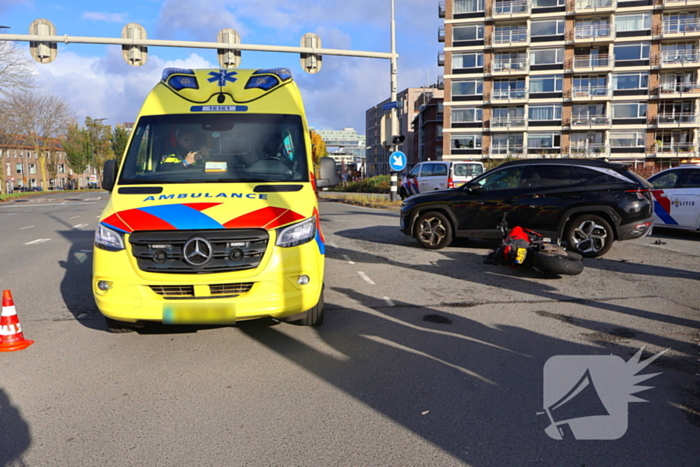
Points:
(96, 81)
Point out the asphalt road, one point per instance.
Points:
(427, 358)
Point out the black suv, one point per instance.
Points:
(586, 203)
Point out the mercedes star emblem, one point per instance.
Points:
(197, 251)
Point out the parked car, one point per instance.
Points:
(586, 203)
(438, 175)
(677, 197)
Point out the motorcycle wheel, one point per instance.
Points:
(557, 264)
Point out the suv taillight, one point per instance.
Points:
(450, 182)
(642, 193)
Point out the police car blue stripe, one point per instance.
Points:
(663, 215)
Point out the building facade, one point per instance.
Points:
(347, 148)
(409, 102)
(21, 170)
(616, 79)
(428, 131)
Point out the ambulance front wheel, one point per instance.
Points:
(312, 316)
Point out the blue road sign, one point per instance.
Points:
(390, 105)
(397, 161)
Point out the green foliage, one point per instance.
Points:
(378, 184)
(77, 148)
(118, 139)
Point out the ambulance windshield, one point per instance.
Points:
(216, 148)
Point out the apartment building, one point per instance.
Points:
(21, 170)
(584, 78)
(409, 103)
(427, 131)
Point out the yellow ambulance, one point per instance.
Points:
(213, 215)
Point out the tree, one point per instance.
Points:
(37, 117)
(77, 148)
(100, 145)
(118, 138)
(318, 148)
(15, 70)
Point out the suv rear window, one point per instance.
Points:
(597, 177)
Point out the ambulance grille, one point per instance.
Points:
(174, 290)
(232, 250)
(230, 289)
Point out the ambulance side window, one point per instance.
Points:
(144, 163)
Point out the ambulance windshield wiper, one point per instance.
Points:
(147, 181)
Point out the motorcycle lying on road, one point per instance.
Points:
(526, 247)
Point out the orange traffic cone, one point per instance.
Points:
(11, 337)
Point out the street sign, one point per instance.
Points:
(93, 178)
(390, 105)
(397, 161)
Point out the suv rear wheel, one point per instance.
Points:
(589, 235)
(433, 230)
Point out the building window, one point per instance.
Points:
(546, 56)
(551, 83)
(636, 51)
(636, 22)
(19, 169)
(472, 60)
(470, 87)
(466, 141)
(544, 112)
(553, 27)
(631, 80)
(468, 6)
(32, 169)
(438, 136)
(467, 115)
(507, 143)
(468, 33)
(627, 139)
(547, 3)
(543, 141)
(61, 168)
(9, 169)
(629, 110)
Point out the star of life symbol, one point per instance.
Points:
(222, 76)
(586, 396)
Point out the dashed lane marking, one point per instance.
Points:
(347, 258)
(388, 301)
(37, 241)
(27, 227)
(79, 226)
(366, 278)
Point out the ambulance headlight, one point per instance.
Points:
(297, 234)
(108, 239)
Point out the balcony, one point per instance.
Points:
(507, 95)
(507, 38)
(588, 121)
(676, 149)
(586, 149)
(508, 123)
(509, 66)
(681, 27)
(600, 62)
(441, 9)
(682, 58)
(441, 34)
(591, 34)
(678, 119)
(678, 90)
(680, 3)
(592, 6)
(441, 59)
(514, 8)
(588, 93)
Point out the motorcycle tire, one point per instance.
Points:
(557, 264)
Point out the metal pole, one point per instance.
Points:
(393, 189)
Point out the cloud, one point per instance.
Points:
(108, 17)
(199, 20)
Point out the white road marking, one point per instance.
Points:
(37, 241)
(79, 226)
(27, 227)
(366, 278)
(75, 217)
(667, 248)
(347, 258)
(388, 301)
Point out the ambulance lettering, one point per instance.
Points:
(208, 195)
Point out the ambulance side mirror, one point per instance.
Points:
(328, 173)
(109, 175)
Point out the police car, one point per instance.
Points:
(677, 197)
